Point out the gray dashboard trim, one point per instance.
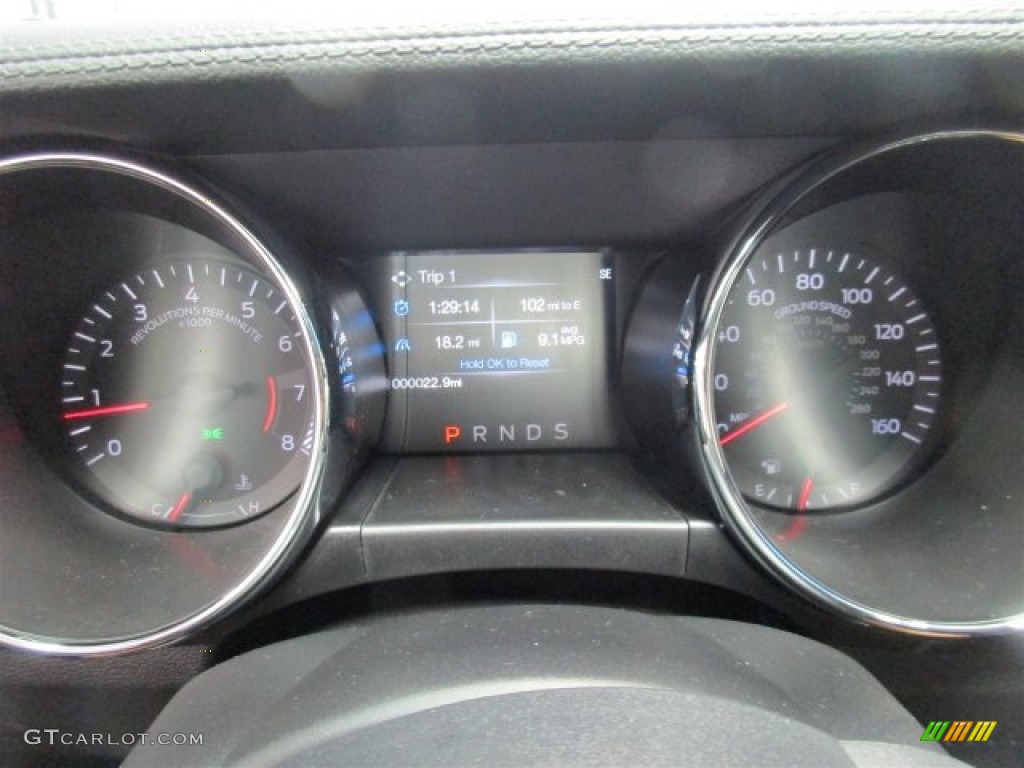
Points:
(40, 57)
(513, 511)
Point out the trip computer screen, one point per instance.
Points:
(496, 351)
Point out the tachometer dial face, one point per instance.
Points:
(186, 395)
(827, 379)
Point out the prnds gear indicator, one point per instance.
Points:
(496, 351)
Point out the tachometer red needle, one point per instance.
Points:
(268, 420)
(753, 424)
(805, 494)
(110, 410)
(179, 507)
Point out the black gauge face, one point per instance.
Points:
(827, 379)
(186, 395)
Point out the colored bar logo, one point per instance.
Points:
(959, 730)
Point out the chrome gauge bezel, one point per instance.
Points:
(768, 219)
(303, 511)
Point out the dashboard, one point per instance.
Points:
(684, 318)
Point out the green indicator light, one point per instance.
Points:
(213, 433)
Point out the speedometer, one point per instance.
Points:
(827, 379)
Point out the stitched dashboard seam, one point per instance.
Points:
(632, 43)
(592, 27)
(532, 38)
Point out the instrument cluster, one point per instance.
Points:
(203, 397)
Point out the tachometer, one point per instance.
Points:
(186, 396)
(827, 379)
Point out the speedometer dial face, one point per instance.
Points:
(827, 379)
(186, 395)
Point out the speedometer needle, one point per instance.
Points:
(753, 424)
(110, 410)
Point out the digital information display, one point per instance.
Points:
(496, 351)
